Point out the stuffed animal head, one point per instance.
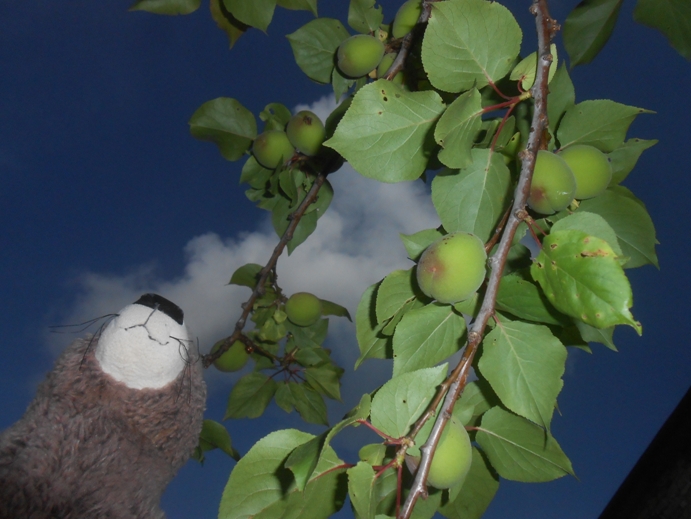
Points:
(146, 345)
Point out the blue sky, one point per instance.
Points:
(105, 195)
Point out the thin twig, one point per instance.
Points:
(546, 28)
(264, 273)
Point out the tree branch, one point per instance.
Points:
(265, 272)
(546, 28)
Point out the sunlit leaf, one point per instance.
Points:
(520, 450)
(395, 291)
(457, 129)
(361, 481)
(592, 224)
(373, 344)
(364, 16)
(246, 275)
(624, 158)
(257, 13)
(581, 277)
(385, 134)
(250, 396)
(228, 124)
(526, 70)
(415, 244)
(468, 43)
(524, 299)
(524, 364)
(314, 46)
(170, 7)
(402, 400)
(561, 97)
(473, 199)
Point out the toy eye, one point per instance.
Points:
(162, 304)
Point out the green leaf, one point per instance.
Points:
(299, 5)
(627, 215)
(581, 277)
(246, 275)
(526, 70)
(262, 488)
(461, 47)
(396, 290)
(624, 158)
(372, 344)
(276, 116)
(257, 13)
(476, 399)
(403, 399)
(314, 46)
(233, 27)
(588, 27)
(415, 244)
(476, 492)
(361, 482)
(228, 124)
(171, 7)
(363, 16)
(280, 217)
(457, 129)
(284, 398)
(325, 379)
(519, 450)
(309, 336)
(524, 299)
(426, 336)
(309, 404)
(671, 17)
(215, 436)
(591, 224)
(250, 396)
(524, 364)
(329, 308)
(601, 123)
(592, 334)
(386, 133)
(561, 97)
(473, 199)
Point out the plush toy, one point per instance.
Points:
(111, 424)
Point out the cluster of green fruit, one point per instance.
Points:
(359, 55)
(302, 309)
(304, 132)
(576, 172)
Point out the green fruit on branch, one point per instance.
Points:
(359, 55)
(272, 148)
(591, 168)
(553, 186)
(452, 268)
(306, 132)
(233, 359)
(406, 18)
(452, 459)
(303, 308)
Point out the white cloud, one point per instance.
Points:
(356, 243)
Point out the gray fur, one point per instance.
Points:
(90, 447)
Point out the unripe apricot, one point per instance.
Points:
(452, 268)
(303, 308)
(452, 458)
(359, 55)
(406, 18)
(591, 168)
(233, 359)
(272, 148)
(306, 132)
(553, 186)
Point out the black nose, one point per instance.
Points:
(161, 304)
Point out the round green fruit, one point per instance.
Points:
(406, 18)
(303, 308)
(591, 167)
(452, 458)
(359, 55)
(306, 132)
(452, 268)
(233, 359)
(553, 187)
(272, 148)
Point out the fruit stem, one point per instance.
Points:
(456, 382)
